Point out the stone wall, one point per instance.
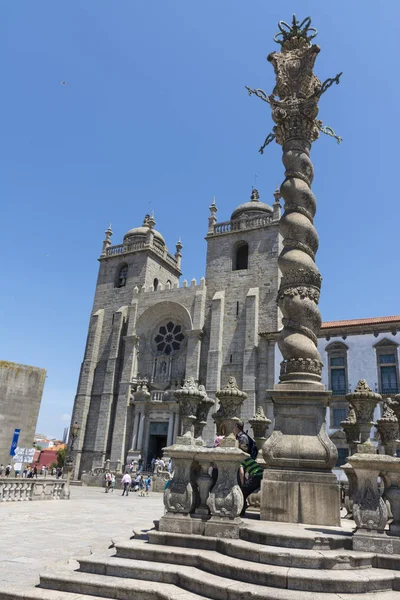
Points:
(21, 388)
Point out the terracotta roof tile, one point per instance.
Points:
(354, 322)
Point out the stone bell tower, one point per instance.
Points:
(242, 283)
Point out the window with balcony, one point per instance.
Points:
(388, 371)
(337, 365)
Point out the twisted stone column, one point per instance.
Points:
(297, 484)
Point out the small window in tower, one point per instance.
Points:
(169, 282)
(155, 283)
(237, 308)
(241, 259)
(122, 276)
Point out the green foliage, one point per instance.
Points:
(61, 457)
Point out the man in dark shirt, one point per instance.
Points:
(241, 437)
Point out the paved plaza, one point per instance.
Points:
(36, 535)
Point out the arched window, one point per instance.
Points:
(241, 258)
(155, 283)
(169, 282)
(122, 276)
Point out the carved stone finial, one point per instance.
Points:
(295, 35)
(189, 396)
(230, 399)
(388, 428)
(364, 400)
(259, 424)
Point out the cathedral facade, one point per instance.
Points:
(148, 333)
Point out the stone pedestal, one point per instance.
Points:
(369, 509)
(300, 497)
(298, 485)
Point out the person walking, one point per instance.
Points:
(112, 482)
(35, 471)
(250, 476)
(8, 470)
(1, 470)
(126, 482)
(108, 481)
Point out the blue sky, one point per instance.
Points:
(154, 114)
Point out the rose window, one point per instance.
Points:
(169, 338)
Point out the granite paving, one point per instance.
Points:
(36, 535)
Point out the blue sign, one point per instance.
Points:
(14, 442)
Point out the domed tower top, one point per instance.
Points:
(253, 208)
(138, 234)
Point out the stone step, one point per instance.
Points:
(271, 555)
(13, 592)
(82, 586)
(213, 574)
(289, 535)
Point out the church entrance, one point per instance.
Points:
(158, 435)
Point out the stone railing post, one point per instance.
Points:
(352, 484)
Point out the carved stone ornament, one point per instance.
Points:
(203, 409)
(364, 400)
(178, 497)
(294, 104)
(259, 424)
(189, 397)
(226, 498)
(351, 428)
(388, 428)
(369, 508)
(230, 399)
(142, 393)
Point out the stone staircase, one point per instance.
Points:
(268, 562)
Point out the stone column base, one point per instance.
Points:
(300, 497)
(221, 527)
(365, 540)
(176, 523)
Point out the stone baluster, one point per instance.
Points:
(388, 428)
(259, 424)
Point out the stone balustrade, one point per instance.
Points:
(237, 225)
(134, 246)
(21, 489)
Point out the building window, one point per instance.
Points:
(122, 276)
(388, 366)
(241, 259)
(338, 415)
(388, 373)
(169, 338)
(155, 283)
(337, 365)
